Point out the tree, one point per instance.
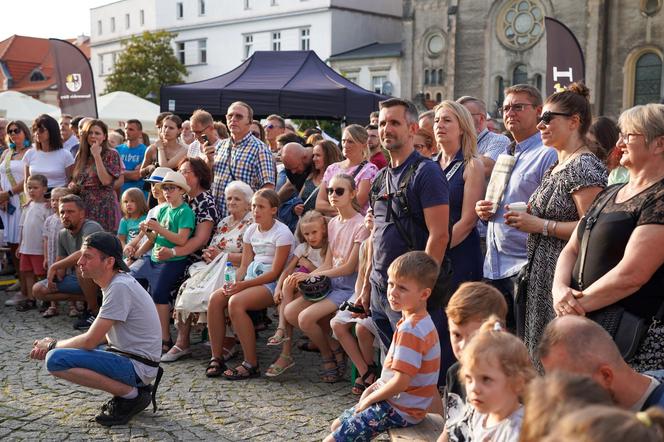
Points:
(146, 63)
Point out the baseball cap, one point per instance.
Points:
(108, 244)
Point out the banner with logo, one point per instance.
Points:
(564, 57)
(76, 89)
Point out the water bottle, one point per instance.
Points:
(229, 275)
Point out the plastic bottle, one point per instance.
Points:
(229, 275)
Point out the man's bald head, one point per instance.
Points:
(577, 344)
(295, 157)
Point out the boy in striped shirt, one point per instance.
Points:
(407, 384)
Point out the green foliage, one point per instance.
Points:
(331, 127)
(145, 64)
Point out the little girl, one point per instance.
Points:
(308, 256)
(346, 232)
(267, 245)
(134, 208)
(495, 368)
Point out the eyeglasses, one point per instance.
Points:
(516, 107)
(628, 138)
(548, 116)
(198, 132)
(14, 131)
(338, 190)
(168, 188)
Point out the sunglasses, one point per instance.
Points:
(338, 190)
(548, 116)
(270, 126)
(168, 188)
(14, 131)
(39, 129)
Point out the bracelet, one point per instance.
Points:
(52, 345)
(545, 229)
(173, 251)
(553, 228)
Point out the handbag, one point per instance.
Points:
(315, 288)
(627, 329)
(194, 294)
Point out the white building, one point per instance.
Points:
(214, 37)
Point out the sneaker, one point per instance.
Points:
(119, 411)
(85, 321)
(15, 300)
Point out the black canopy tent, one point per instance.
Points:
(294, 84)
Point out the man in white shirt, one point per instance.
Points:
(69, 139)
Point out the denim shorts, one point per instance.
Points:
(369, 423)
(160, 277)
(111, 365)
(69, 284)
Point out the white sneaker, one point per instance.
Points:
(14, 300)
(175, 353)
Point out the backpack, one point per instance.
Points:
(441, 292)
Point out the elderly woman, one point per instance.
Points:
(357, 164)
(205, 275)
(622, 264)
(96, 168)
(563, 196)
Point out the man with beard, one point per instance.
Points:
(64, 281)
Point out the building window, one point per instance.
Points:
(648, 79)
(538, 82)
(439, 97)
(276, 41)
(500, 92)
(37, 75)
(520, 23)
(440, 76)
(434, 76)
(248, 46)
(377, 82)
(304, 39)
(112, 24)
(179, 10)
(426, 76)
(142, 17)
(201, 7)
(127, 21)
(101, 64)
(202, 51)
(520, 74)
(180, 52)
(99, 27)
(273, 3)
(427, 96)
(246, 4)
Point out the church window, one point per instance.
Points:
(520, 74)
(440, 76)
(426, 76)
(434, 76)
(439, 97)
(520, 23)
(648, 79)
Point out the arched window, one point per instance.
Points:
(427, 96)
(440, 76)
(439, 97)
(434, 76)
(520, 74)
(538, 82)
(500, 91)
(426, 76)
(648, 79)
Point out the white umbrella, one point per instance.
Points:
(17, 106)
(118, 107)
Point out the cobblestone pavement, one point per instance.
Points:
(36, 406)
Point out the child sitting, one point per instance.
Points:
(308, 256)
(52, 227)
(134, 207)
(469, 307)
(31, 248)
(495, 368)
(407, 384)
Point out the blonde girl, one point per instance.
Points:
(346, 232)
(134, 208)
(308, 256)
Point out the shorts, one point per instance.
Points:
(255, 270)
(32, 263)
(161, 277)
(369, 423)
(108, 364)
(68, 284)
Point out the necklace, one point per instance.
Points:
(570, 157)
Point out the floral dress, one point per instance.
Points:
(205, 209)
(101, 202)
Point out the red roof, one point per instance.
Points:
(21, 56)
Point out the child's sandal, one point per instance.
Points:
(237, 374)
(329, 375)
(341, 362)
(278, 338)
(275, 370)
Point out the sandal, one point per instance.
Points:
(278, 338)
(341, 361)
(248, 371)
(50, 312)
(306, 345)
(364, 381)
(329, 375)
(73, 312)
(215, 368)
(229, 353)
(275, 370)
(26, 305)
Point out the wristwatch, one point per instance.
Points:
(52, 345)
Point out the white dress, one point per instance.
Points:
(11, 222)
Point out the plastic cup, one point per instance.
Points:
(518, 207)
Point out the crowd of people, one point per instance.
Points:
(503, 280)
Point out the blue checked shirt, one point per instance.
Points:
(249, 160)
(506, 246)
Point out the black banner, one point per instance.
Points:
(76, 88)
(564, 57)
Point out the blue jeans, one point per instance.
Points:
(369, 423)
(159, 277)
(69, 284)
(111, 365)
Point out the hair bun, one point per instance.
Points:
(580, 88)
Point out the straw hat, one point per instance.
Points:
(158, 174)
(176, 178)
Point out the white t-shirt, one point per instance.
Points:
(265, 244)
(136, 329)
(304, 250)
(507, 430)
(31, 225)
(51, 164)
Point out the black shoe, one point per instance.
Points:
(84, 321)
(119, 411)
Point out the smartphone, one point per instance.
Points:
(204, 138)
(150, 230)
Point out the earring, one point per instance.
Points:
(12, 145)
(26, 143)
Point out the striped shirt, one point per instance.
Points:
(414, 351)
(248, 160)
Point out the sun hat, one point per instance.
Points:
(176, 178)
(158, 175)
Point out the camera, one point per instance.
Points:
(351, 307)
